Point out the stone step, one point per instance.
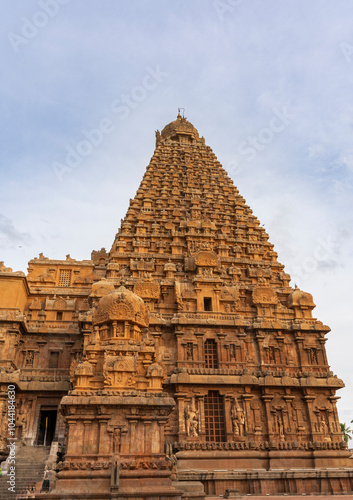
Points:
(30, 465)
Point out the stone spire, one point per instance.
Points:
(187, 203)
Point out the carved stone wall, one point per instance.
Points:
(186, 333)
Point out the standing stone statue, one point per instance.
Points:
(192, 420)
(238, 419)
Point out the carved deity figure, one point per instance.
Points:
(323, 424)
(189, 351)
(192, 420)
(29, 358)
(116, 440)
(279, 423)
(313, 356)
(238, 419)
(332, 426)
(271, 355)
(232, 355)
(22, 418)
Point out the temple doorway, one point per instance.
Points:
(46, 427)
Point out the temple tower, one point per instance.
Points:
(190, 358)
(245, 358)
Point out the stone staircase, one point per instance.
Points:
(30, 463)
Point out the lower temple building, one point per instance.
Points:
(181, 362)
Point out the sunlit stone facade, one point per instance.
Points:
(180, 360)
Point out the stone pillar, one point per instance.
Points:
(148, 437)
(228, 402)
(200, 345)
(299, 340)
(71, 448)
(217, 291)
(300, 419)
(104, 441)
(255, 405)
(86, 336)
(155, 438)
(309, 403)
(133, 436)
(260, 341)
(181, 408)
(180, 351)
(221, 353)
(12, 343)
(288, 425)
(202, 432)
(161, 425)
(267, 400)
(249, 423)
(86, 441)
(157, 339)
(322, 342)
(335, 428)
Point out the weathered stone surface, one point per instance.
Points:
(182, 354)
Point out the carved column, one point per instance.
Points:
(180, 351)
(260, 342)
(299, 415)
(133, 436)
(249, 423)
(299, 340)
(161, 427)
(71, 437)
(334, 424)
(156, 426)
(104, 441)
(288, 425)
(86, 441)
(148, 437)
(181, 409)
(256, 407)
(217, 291)
(269, 419)
(86, 336)
(228, 401)
(200, 346)
(221, 353)
(322, 341)
(202, 429)
(157, 339)
(247, 351)
(13, 341)
(309, 403)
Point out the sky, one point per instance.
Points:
(86, 83)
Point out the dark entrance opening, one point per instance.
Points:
(46, 430)
(207, 304)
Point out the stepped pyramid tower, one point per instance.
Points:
(182, 361)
